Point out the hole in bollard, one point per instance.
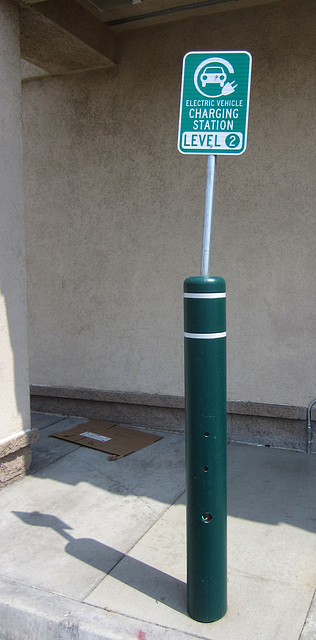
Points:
(206, 517)
(206, 434)
(205, 468)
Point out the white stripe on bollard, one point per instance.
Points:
(210, 296)
(205, 336)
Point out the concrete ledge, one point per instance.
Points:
(16, 455)
(17, 441)
(130, 412)
(122, 397)
(62, 37)
(250, 422)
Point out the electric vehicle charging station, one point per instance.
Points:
(213, 121)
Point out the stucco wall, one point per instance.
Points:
(115, 214)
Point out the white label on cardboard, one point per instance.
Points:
(95, 436)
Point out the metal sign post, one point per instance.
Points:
(210, 123)
(208, 213)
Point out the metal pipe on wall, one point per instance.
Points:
(309, 426)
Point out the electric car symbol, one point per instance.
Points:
(213, 75)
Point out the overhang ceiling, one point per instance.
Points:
(130, 14)
(64, 36)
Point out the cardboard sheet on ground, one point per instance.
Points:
(109, 437)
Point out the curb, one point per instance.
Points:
(27, 613)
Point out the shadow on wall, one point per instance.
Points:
(136, 574)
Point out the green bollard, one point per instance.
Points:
(206, 446)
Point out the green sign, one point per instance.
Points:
(214, 102)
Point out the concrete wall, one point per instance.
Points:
(15, 435)
(115, 213)
(14, 399)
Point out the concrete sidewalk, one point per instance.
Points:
(95, 549)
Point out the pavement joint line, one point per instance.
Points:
(54, 421)
(27, 585)
(168, 506)
(119, 484)
(95, 586)
(308, 615)
(64, 455)
(156, 624)
(257, 578)
(51, 424)
(139, 539)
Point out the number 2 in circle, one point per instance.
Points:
(232, 140)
